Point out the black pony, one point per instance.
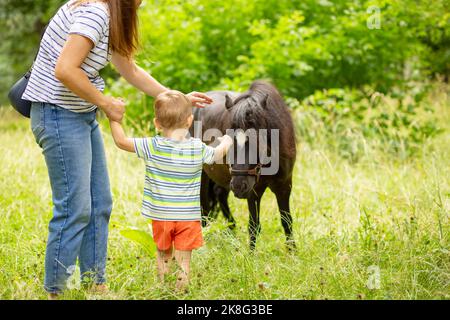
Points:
(258, 112)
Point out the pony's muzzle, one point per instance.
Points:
(241, 186)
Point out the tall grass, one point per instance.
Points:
(374, 229)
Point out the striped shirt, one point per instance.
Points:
(173, 177)
(90, 20)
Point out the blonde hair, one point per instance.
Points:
(172, 109)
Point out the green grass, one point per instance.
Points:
(349, 219)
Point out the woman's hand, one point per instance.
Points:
(199, 100)
(114, 108)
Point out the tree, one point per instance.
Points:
(21, 23)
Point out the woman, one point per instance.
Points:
(66, 89)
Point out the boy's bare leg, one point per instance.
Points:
(184, 261)
(163, 262)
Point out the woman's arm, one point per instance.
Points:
(136, 76)
(120, 139)
(68, 71)
(144, 82)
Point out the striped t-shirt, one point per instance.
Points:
(173, 177)
(90, 20)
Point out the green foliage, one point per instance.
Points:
(329, 57)
(142, 238)
(347, 120)
(356, 93)
(302, 46)
(313, 51)
(21, 24)
(139, 110)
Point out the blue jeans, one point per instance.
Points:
(82, 203)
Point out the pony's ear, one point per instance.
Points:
(228, 102)
(264, 100)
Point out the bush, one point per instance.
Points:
(307, 48)
(21, 25)
(302, 46)
(350, 121)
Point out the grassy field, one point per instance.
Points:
(378, 229)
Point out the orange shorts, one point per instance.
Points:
(183, 235)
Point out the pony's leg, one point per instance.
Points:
(254, 225)
(283, 194)
(205, 199)
(213, 199)
(222, 196)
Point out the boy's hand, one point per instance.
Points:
(225, 139)
(222, 149)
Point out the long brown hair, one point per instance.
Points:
(123, 25)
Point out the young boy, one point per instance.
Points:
(172, 182)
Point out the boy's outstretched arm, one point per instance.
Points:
(121, 140)
(222, 149)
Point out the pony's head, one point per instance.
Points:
(248, 115)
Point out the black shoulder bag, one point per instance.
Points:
(15, 93)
